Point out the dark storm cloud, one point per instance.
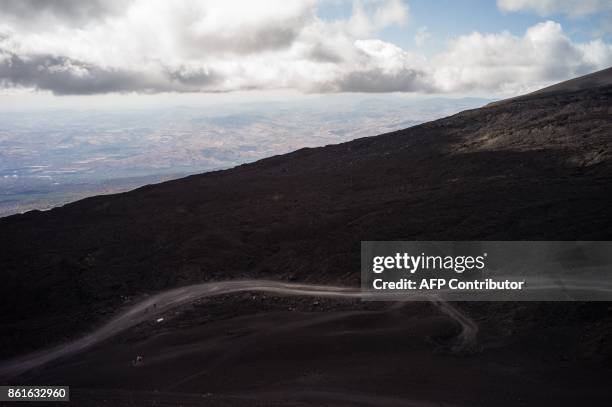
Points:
(377, 80)
(248, 41)
(193, 79)
(65, 76)
(273, 35)
(320, 53)
(69, 11)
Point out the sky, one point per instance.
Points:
(75, 53)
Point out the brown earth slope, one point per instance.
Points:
(533, 168)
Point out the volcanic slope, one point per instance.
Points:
(531, 168)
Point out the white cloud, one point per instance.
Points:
(574, 8)
(392, 12)
(508, 63)
(154, 46)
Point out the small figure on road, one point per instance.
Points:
(137, 361)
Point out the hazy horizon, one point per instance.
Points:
(50, 157)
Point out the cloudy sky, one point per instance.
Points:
(78, 50)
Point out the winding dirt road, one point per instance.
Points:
(162, 302)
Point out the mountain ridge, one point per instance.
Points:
(590, 81)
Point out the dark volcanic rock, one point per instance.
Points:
(536, 168)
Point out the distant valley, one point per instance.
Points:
(51, 158)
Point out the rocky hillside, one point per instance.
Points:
(534, 168)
